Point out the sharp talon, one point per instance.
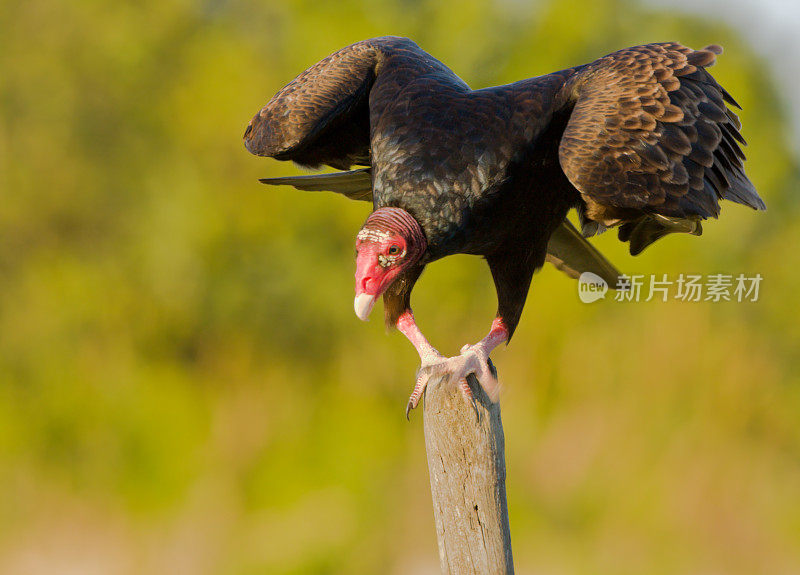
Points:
(463, 384)
(419, 388)
(412, 404)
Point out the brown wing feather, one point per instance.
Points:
(650, 132)
(324, 115)
(320, 117)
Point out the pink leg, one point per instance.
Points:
(428, 355)
(477, 356)
(408, 326)
(497, 335)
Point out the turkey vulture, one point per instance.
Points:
(641, 139)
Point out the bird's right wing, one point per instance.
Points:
(323, 115)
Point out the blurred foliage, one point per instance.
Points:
(184, 387)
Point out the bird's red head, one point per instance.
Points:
(389, 242)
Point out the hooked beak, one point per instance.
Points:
(363, 305)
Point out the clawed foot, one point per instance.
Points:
(473, 360)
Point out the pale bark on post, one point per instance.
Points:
(466, 462)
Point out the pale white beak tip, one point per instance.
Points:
(363, 305)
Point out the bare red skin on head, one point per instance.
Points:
(371, 277)
(389, 242)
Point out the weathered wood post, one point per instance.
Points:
(466, 462)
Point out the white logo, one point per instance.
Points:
(591, 287)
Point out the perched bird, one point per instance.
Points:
(641, 139)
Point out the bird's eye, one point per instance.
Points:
(394, 250)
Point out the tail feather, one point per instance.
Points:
(569, 252)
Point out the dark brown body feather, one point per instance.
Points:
(641, 138)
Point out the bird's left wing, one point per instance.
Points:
(649, 130)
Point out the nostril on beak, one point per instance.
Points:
(364, 283)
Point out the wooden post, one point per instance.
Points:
(466, 462)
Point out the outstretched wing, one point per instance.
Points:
(323, 115)
(650, 133)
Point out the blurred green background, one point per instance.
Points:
(184, 387)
